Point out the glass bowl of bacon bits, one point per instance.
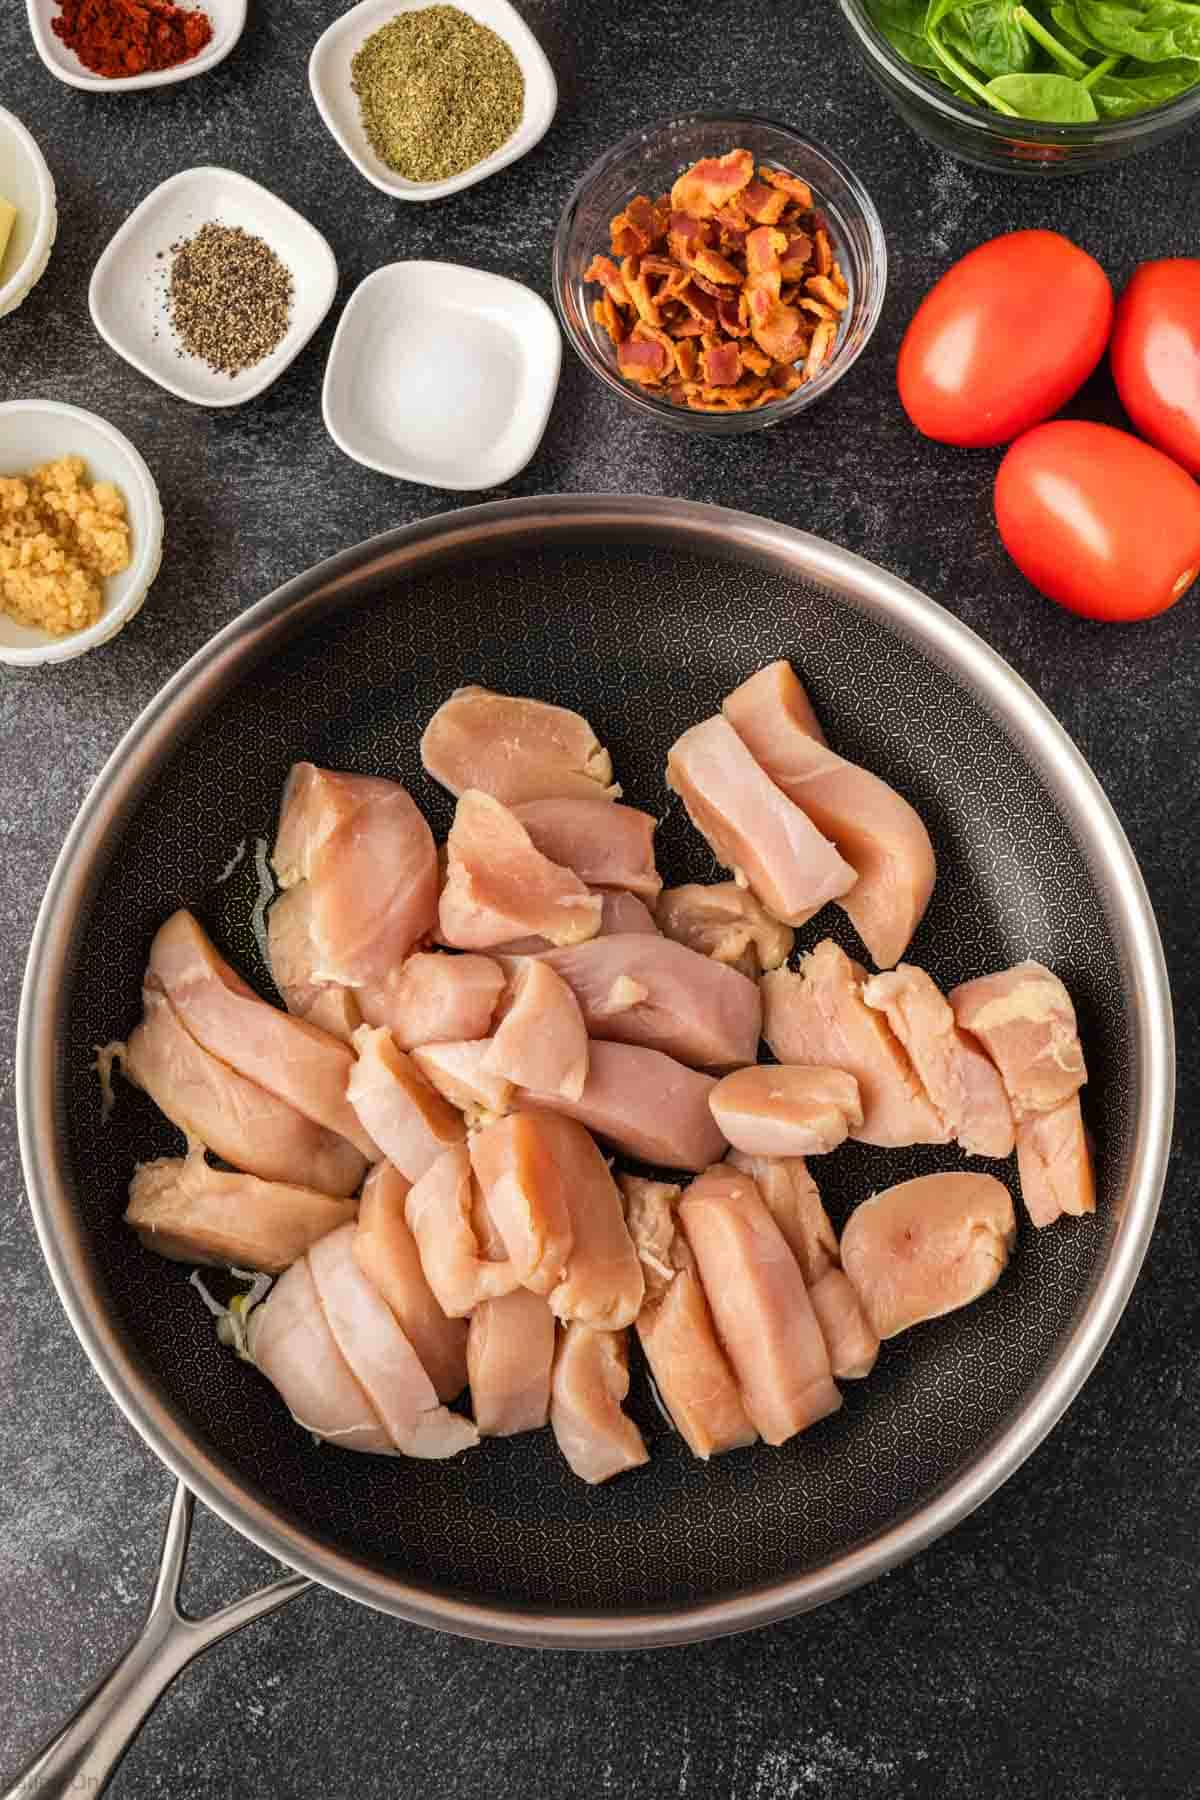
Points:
(719, 272)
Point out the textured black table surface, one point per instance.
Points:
(1048, 1646)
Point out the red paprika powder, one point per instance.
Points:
(131, 37)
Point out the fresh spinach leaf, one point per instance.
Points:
(1069, 26)
(1150, 34)
(990, 37)
(902, 23)
(1122, 96)
(1058, 99)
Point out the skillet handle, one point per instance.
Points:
(80, 1759)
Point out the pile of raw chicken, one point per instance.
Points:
(458, 1026)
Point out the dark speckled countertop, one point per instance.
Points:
(1048, 1646)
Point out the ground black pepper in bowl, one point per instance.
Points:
(229, 297)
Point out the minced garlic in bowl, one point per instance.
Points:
(59, 540)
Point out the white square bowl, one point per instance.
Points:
(27, 183)
(227, 17)
(40, 431)
(442, 375)
(337, 103)
(128, 292)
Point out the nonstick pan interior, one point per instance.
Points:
(644, 639)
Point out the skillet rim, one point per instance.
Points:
(355, 574)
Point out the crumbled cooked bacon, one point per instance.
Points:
(708, 185)
(728, 295)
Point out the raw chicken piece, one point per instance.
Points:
(791, 1197)
(293, 958)
(691, 1372)
(853, 1346)
(386, 1252)
(190, 1212)
(510, 1354)
(462, 1258)
(515, 749)
(1055, 1164)
(603, 1284)
(639, 989)
(380, 1356)
(817, 1017)
(752, 827)
(960, 1080)
(515, 1165)
(370, 859)
(590, 1381)
(775, 1110)
(408, 1119)
(499, 887)
(880, 835)
(541, 1040)
(644, 1103)
(436, 999)
(289, 1340)
(607, 845)
(928, 1246)
(235, 1118)
(1025, 1021)
(460, 1074)
(760, 1306)
(290, 1058)
(726, 922)
(619, 912)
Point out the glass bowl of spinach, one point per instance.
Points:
(1042, 87)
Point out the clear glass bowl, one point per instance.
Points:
(991, 141)
(648, 162)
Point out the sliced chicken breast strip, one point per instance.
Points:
(510, 1355)
(238, 1120)
(369, 855)
(961, 1081)
(638, 989)
(752, 827)
(726, 922)
(294, 961)
(772, 1109)
(1055, 1164)
(436, 999)
(879, 834)
(759, 1303)
(380, 1356)
(409, 1120)
(618, 913)
(644, 1103)
(540, 1038)
(603, 1284)
(818, 1017)
(690, 1370)
(793, 1200)
(516, 1167)
(463, 1262)
(386, 1252)
(849, 1337)
(589, 1384)
(1025, 1021)
(289, 1340)
(499, 887)
(460, 1074)
(515, 749)
(184, 1209)
(607, 845)
(290, 1058)
(927, 1247)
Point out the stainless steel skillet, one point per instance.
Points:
(641, 613)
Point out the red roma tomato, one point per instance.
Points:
(1099, 521)
(1004, 339)
(1156, 356)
